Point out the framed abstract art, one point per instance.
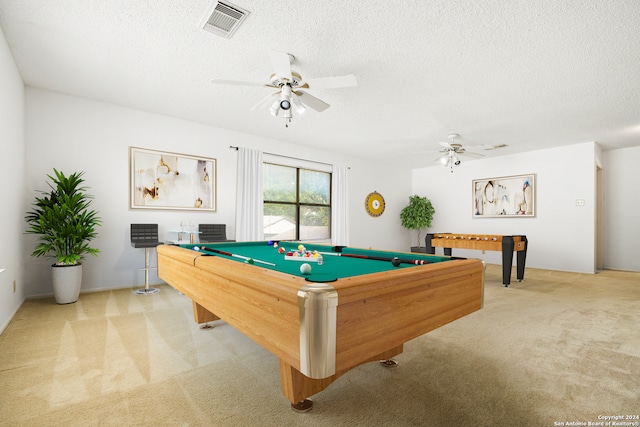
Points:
(507, 196)
(163, 180)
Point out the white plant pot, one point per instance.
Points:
(67, 280)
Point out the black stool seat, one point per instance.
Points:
(213, 233)
(144, 235)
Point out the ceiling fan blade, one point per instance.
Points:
(238, 83)
(475, 148)
(469, 154)
(483, 147)
(264, 102)
(281, 64)
(311, 101)
(428, 151)
(332, 82)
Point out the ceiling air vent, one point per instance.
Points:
(223, 19)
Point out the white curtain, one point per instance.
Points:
(339, 206)
(249, 222)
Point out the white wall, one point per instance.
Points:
(384, 231)
(12, 167)
(621, 209)
(561, 236)
(75, 134)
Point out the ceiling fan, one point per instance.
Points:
(453, 151)
(291, 88)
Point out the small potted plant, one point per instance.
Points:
(65, 224)
(417, 215)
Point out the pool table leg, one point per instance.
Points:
(297, 387)
(202, 315)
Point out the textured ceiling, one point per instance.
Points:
(529, 74)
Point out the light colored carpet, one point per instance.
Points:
(556, 348)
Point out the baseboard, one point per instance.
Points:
(90, 291)
(6, 324)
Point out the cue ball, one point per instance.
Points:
(395, 262)
(195, 248)
(305, 268)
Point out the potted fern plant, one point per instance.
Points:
(417, 215)
(65, 224)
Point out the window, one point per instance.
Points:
(297, 203)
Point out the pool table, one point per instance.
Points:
(355, 306)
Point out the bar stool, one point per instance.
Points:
(145, 236)
(213, 233)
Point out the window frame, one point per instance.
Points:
(297, 202)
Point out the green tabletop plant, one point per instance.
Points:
(417, 215)
(65, 224)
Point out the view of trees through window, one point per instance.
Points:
(297, 203)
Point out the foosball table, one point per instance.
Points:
(485, 242)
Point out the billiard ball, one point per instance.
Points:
(305, 268)
(195, 248)
(249, 260)
(281, 250)
(395, 261)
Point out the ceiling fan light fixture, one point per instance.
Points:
(296, 103)
(275, 107)
(449, 159)
(285, 99)
(285, 104)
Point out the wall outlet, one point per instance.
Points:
(579, 202)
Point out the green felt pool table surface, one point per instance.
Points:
(332, 267)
